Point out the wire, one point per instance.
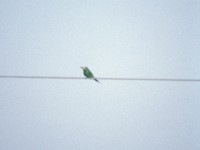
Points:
(102, 78)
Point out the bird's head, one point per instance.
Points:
(82, 67)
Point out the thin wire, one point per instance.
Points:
(102, 78)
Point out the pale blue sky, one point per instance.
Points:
(114, 38)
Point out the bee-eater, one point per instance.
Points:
(88, 73)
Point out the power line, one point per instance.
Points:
(101, 78)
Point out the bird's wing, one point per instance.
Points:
(88, 73)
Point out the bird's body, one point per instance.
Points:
(88, 73)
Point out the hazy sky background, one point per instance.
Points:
(114, 38)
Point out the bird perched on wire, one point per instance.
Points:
(88, 73)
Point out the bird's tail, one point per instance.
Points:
(96, 80)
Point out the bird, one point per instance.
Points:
(88, 73)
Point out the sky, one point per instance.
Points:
(114, 38)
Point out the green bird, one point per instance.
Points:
(88, 73)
